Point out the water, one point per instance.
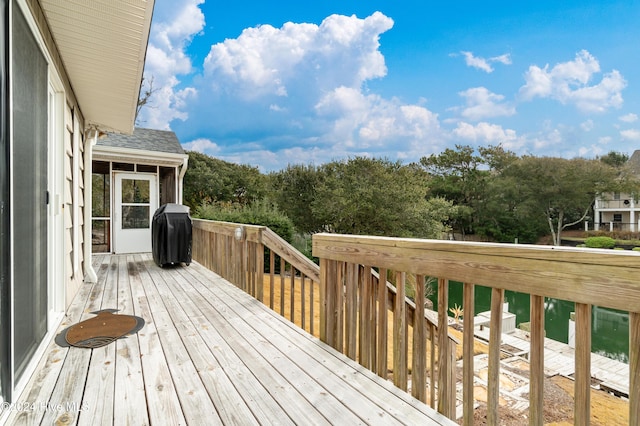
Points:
(609, 331)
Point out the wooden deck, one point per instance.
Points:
(208, 354)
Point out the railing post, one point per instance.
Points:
(536, 362)
(338, 305)
(282, 283)
(324, 283)
(495, 340)
(451, 379)
(272, 268)
(365, 331)
(303, 299)
(400, 334)
(634, 368)
(351, 308)
(582, 409)
(419, 367)
(468, 309)
(260, 256)
(292, 295)
(443, 345)
(331, 303)
(382, 324)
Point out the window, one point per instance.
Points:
(617, 217)
(101, 207)
(136, 203)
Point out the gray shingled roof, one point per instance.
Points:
(634, 161)
(146, 140)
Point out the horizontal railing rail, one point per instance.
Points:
(588, 277)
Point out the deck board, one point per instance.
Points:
(208, 354)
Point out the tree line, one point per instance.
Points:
(488, 192)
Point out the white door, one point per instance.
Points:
(136, 199)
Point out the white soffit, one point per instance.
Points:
(103, 44)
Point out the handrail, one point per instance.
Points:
(289, 253)
(587, 277)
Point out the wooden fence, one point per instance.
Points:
(605, 278)
(355, 310)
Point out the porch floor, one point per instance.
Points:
(208, 354)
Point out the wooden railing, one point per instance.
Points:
(360, 312)
(348, 312)
(587, 277)
(237, 253)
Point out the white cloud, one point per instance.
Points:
(629, 118)
(202, 145)
(587, 126)
(503, 59)
(371, 122)
(568, 83)
(484, 64)
(306, 84)
(590, 151)
(174, 25)
(482, 104)
(631, 135)
(604, 140)
(487, 133)
(298, 58)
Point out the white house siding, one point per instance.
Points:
(73, 205)
(73, 123)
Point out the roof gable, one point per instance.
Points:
(634, 161)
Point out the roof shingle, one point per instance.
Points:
(146, 140)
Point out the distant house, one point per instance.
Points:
(619, 211)
(69, 72)
(132, 176)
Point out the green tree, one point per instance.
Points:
(462, 176)
(210, 180)
(505, 218)
(293, 190)
(614, 159)
(559, 190)
(259, 213)
(378, 197)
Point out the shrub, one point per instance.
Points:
(600, 242)
(261, 213)
(636, 249)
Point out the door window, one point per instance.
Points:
(135, 204)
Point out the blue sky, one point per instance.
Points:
(290, 82)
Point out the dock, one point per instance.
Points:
(607, 374)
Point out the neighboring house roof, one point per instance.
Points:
(146, 146)
(634, 161)
(144, 139)
(102, 44)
